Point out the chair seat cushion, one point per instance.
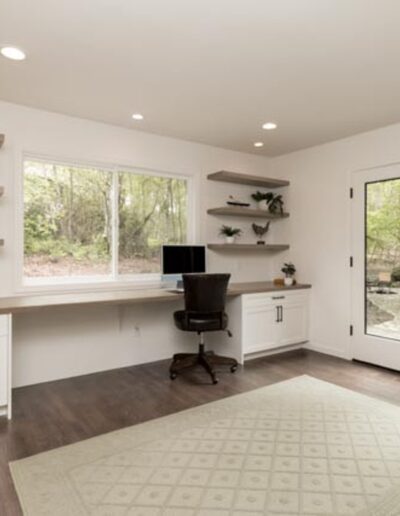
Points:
(200, 322)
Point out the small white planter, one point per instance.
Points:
(230, 239)
(262, 205)
(288, 281)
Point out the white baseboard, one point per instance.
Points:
(327, 350)
(283, 349)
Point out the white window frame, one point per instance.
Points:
(101, 282)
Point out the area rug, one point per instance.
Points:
(299, 447)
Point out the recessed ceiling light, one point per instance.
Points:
(14, 53)
(258, 144)
(137, 116)
(269, 126)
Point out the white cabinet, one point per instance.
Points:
(5, 364)
(260, 330)
(293, 321)
(272, 320)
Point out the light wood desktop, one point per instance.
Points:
(24, 303)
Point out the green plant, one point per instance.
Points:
(275, 203)
(395, 274)
(229, 231)
(288, 269)
(259, 196)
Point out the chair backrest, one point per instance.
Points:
(205, 292)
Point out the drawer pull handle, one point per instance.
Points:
(278, 297)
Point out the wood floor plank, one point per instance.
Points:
(55, 414)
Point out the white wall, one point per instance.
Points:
(319, 228)
(60, 343)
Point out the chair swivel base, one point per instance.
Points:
(208, 360)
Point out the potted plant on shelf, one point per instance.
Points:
(230, 233)
(260, 199)
(289, 271)
(275, 203)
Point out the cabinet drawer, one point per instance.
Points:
(3, 325)
(256, 300)
(267, 298)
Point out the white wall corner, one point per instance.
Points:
(326, 350)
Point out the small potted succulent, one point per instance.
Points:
(289, 271)
(230, 233)
(261, 199)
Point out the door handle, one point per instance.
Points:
(281, 307)
(277, 314)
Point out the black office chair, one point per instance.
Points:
(205, 296)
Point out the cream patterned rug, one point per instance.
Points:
(300, 447)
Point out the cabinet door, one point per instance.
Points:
(3, 370)
(259, 327)
(4, 359)
(293, 328)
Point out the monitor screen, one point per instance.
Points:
(181, 259)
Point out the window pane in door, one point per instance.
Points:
(382, 258)
(152, 211)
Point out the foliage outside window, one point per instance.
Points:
(382, 263)
(90, 222)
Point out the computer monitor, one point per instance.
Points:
(180, 259)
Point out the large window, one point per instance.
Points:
(83, 222)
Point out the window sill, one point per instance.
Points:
(67, 285)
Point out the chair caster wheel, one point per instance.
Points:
(234, 368)
(214, 380)
(173, 376)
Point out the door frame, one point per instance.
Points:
(357, 274)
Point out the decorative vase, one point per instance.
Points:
(288, 281)
(230, 239)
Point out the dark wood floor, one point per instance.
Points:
(54, 414)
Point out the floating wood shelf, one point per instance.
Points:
(2, 138)
(267, 248)
(238, 211)
(246, 179)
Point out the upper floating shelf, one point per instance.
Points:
(238, 211)
(266, 248)
(246, 179)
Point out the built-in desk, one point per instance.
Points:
(24, 303)
(263, 317)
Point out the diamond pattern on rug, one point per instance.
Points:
(312, 455)
(302, 447)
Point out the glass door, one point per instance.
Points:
(376, 266)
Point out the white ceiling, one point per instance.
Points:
(210, 71)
